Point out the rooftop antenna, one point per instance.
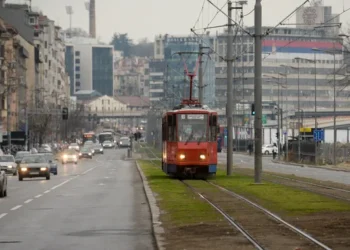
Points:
(70, 12)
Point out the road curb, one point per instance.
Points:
(157, 229)
(311, 166)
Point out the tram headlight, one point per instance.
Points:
(202, 157)
(182, 156)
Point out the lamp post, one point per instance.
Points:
(298, 68)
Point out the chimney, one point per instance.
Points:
(92, 24)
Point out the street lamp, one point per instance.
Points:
(334, 105)
(298, 68)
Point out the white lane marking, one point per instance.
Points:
(87, 171)
(16, 207)
(47, 191)
(3, 215)
(27, 201)
(101, 184)
(39, 195)
(61, 184)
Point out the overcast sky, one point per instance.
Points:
(147, 18)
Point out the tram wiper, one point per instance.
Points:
(199, 141)
(188, 139)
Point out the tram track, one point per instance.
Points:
(255, 235)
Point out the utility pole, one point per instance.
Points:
(200, 75)
(229, 92)
(8, 103)
(258, 92)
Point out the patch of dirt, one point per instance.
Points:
(332, 228)
(207, 236)
(268, 232)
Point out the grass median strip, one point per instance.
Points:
(280, 198)
(178, 204)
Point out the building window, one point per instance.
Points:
(59, 82)
(45, 44)
(77, 76)
(102, 102)
(77, 84)
(96, 109)
(77, 53)
(77, 68)
(77, 61)
(109, 102)
(32, 20)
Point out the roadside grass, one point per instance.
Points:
(247, 171)
(147, 150)
(179, 205)
(279, 198)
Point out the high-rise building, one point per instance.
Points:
(177, 83)
(90, 65)
(289, 72)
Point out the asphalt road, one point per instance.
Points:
(97, 204)
(247, 161)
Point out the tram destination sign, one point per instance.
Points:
(192, 117)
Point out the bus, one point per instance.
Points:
(89, 136)
(105, 136)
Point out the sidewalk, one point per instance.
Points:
(328, 167)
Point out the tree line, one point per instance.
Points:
(122, 42)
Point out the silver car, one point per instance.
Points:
(34, 165)
(8, 164)
(3, 183)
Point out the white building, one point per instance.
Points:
(52, 86)
(106, 104)
(90, 65)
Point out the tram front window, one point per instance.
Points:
(192, 127)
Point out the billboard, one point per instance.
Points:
(310, 16)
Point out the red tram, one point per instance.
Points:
(190, 141)
(189, 134)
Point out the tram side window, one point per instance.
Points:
(171, 127)
(213, 127)
(164, 131)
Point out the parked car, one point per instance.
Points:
(3, 183)
(268, 148)
(8, 164)
(34, 165)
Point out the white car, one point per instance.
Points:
(74, 146)
(8, 164)
(268, 148)
(108, 144)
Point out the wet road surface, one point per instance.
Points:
(97, 204)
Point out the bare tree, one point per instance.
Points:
(39, 125)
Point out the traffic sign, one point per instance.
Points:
(318, 134)
(264, 120)
(225, 131)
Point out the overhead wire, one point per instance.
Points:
(200, 14)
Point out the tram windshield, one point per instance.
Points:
(192, 127)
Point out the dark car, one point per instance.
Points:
(34, 165)
(53, 163)
(85, 152)
(3, 183)
(98, 149)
